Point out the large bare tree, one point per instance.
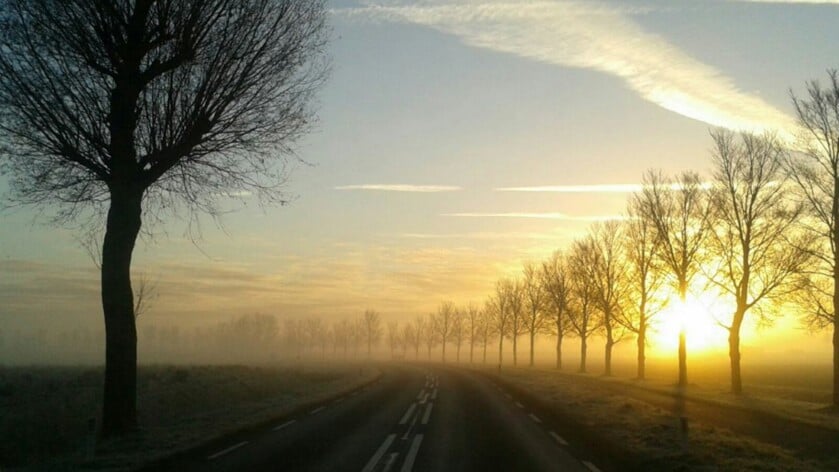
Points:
(608, 273)
(679, 210)
(499, 308)
(139, 106)
(535, 301)
(556, 283)
(443, 325)
(754, 235)
(583, 304)
(645, 279)
(815, 169)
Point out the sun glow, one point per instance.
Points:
(697, 316)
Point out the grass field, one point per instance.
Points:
(45, 411)
(616, 409)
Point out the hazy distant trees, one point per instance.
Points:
(430, 334)
(644, 279)
(473, 320)
(680, 211)
(371, 326)
(393, 338)
(515, 304)
(556, 283)
(501, 313)
(150, 106)
(751, 236)
(444, 324)
(458, 330)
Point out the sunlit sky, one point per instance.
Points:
(456, 140)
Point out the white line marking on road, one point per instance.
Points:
(518, 404)
(408, 413)
(391, 460)
(412, 454)
(590, 466)
(422, 392)
(508, 396)
(424, 398)
(434, 394)
(379, 453)
(229, 449)
(427, 413)
(535, 418)
(317, 410)
(558, 438)
(287, 423)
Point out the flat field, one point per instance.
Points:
(782, 423)
(45, 412)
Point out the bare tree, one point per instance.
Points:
(535, 301)
(754, 232)
(458, 330)
(609, 279)
(314, 332)
(443, 323)
(485, 326)
(430, 334)
(816, 171)
(342, 334)
(420, 332)
(473, 320)
(393, 337)
(557, 286)
(518, 326)
(499, 307)
(680, 212)
(583, 295)
(645, 279)
(409, 339)
(371, 329)
(149, 105)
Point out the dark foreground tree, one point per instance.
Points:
(143, 106)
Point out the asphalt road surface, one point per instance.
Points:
(411, 419)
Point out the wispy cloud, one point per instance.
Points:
(480, 236)
(543, 216)
(401, 188)
(595, 188)
(597, 36)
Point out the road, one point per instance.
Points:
(411, 419)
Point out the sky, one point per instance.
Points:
(456, 140)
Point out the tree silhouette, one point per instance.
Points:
(556, 282)
(144, 106)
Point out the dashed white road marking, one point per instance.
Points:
(434, 394)
(317, 410)
(225, 451)
(534, 418)
(590, 466)
(391, 460)
(338, 400)
(408, 413)
(558, 438)
(286, 424)
(412, 454)
(508, 396)
(518, 404)
(422, 392)
(371, 464)
(427, 413)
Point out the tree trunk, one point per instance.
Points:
(559, 351)
(119, 409)
(485, 350)
(532, 339)
(457, 356)
(683, 350)
(515, 350)
(471, 352)
(444, 351)
(642, 347)
(500, 351)
(583, 348)
(835, 361)
(610, 343)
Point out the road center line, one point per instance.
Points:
(535, 418)
(229, 449)
(317, 410)
(287, 423)
(412, 454)
(391, 460)
(590, 466)
(434, 394)
(408, 413)
(508, 396)
(422, 392)
(558, 438)
(518, 404)
(427, 413)
(371, 465)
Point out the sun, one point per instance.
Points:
(696, 314)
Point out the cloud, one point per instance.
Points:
(812, 2)
(595, 36)
(544, 216)
(595, 188)
(401, 188)
(489, 236)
